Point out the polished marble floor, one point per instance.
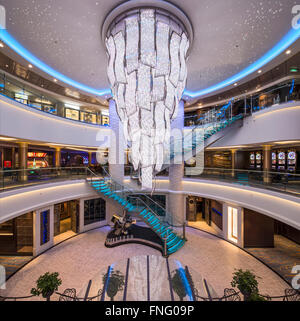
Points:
(281, 258)
(78, 260)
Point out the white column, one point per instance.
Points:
(176, 200)
(116, 150)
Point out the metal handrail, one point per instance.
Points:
(130, 192)
(229, 170)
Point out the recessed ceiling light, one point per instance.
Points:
(1, 45)
(30, 66)
(55, 80)
(235, 84)
(260, 71)
(288, 51)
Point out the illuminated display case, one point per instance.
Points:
(281, 161)
(88, 117)
(258, 159)
(291, 160)
(72, 113)
(252, 160)
(274, 161)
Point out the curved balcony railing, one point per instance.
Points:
(276, 181)
(34, 99)
(247, 104)
(280, 182)
(11, 179)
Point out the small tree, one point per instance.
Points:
(247, 283)
(46, 285)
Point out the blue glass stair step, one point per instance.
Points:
(161, 229)
(173, 242)
(154, 222)
(175, 247)
(167, 232)
(151, 219)
(157, 226)
(143, 212)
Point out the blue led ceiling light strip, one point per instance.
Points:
(283, 44)
(18, 48)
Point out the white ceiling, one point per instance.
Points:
(228, 35)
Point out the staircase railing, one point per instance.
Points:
(184, 148)
(142, 201)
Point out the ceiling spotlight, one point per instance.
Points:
(260, 71)
(55, 80)
(1, 45)
(235, 84)
(30, 66)
(288, 51)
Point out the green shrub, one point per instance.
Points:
(46, 285)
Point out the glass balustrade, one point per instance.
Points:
(33, 98)
(281, 182)
(10, 179)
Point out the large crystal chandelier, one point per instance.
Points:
(147, 51)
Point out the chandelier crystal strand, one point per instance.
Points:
(147, 51)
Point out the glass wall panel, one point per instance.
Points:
(94, 211)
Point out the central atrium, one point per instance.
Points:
(149, 151)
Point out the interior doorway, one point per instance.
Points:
(66, 218)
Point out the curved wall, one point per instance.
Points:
(280, 206)
(20, 201)
(23, 122)
(283, 207)
(277, 123)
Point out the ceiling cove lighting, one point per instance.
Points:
(18, 48)
(280, 47)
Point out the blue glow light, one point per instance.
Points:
(292, 87)
(283, 44)
(185, 281)
(18, 48)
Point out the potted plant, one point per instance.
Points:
(246, 282)
(46, 285)
(178, 285)
(115, 283)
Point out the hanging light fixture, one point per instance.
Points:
(147, 49)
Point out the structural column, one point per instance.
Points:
(90, 154)
(23, 151)
(116, 149)
(267, 162)
(233, 162)
(57, 157)
(176, 172)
